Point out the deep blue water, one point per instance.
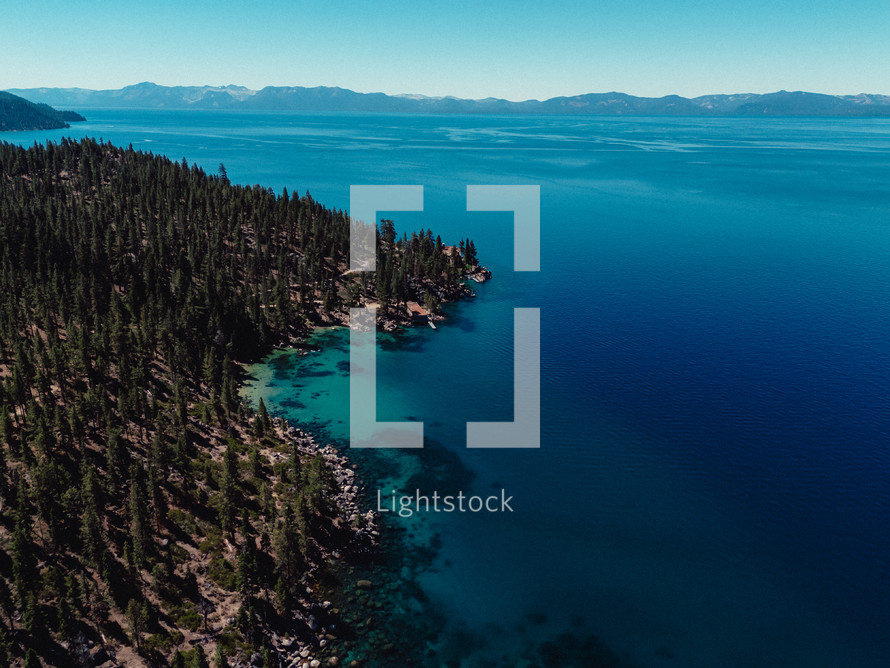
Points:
(712, 487)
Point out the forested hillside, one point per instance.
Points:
(146, 513)
(17, 113)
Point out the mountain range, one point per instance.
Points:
(323, 98)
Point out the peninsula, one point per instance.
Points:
(18, 114)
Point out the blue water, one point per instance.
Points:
(712, 486)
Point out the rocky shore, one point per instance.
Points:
(363, 605)
(479, 274)
(312, 640)
(398, 316)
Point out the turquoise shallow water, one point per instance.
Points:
(712, 484)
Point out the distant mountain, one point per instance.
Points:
(141, 96)
(323, 98)
(16, 113)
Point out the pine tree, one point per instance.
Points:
(91, 533)
(47, 483)
(261, 422)
(24, 561)
(114, 457)
(138, 503)
(319, 483)
(220, 659)
(256, 468)
(32, 620)
(65, 619)
(31, 660)
(6, 428)
(5, 648)
(156, 495)
(199, 659)
(230, 462)
(137, 621)
(267, 502)
(246, 572)
(287, 550)
(227, 503)
(91, 526)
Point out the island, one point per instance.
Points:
(149, 516)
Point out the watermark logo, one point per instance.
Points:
(524, 431)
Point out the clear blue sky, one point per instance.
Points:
(511, 49)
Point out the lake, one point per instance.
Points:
(712, 483)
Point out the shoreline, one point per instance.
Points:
(353, 625)
(387, 611)
(348, 623)
(374, 609)
(317, 612)
(342, 584)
